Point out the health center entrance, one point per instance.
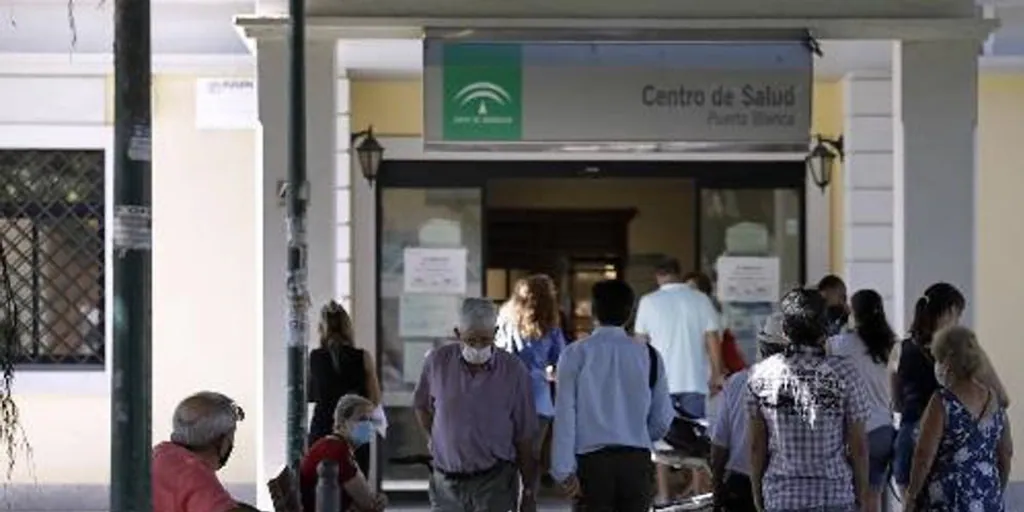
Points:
(447, 230)
(509, 202)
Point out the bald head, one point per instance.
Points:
(204, 418)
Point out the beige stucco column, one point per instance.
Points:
(935, 112)
(272, 88)
(910, 170)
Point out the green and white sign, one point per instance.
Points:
(483, 92)
(745, 93)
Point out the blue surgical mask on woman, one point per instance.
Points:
(362, 432)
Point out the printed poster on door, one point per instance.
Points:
(747, 279)
(438, 271)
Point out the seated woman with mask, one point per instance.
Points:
(352, 428)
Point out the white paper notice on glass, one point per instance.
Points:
(441, 271)
(747, 279)
(422, 315)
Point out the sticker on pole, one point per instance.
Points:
(139, 145)
(133, 228)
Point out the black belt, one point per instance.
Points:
(470, 475)
(615, 449)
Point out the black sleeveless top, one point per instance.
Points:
(917, 379)
(332, 376)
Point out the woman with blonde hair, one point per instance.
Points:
(528, 326)
(338, 368)
(963, 454)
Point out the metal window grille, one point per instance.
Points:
(52, 253)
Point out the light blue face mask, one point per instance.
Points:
(362, 432)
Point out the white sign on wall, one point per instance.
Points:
(226, 104)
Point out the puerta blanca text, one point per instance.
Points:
(747, 105)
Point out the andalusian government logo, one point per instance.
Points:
(482, 92)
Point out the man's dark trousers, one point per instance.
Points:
(615, 479)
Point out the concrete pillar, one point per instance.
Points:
(272, 88)
(935, 97)
(868, 258)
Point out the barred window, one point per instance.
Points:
(52, 254)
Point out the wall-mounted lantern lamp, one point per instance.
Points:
(821, 160)
(369, 152)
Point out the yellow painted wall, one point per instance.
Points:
(1000, 250)
(205, 291)
(393, 107)
(828, 121)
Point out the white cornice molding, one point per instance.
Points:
(85, 64)
(987, 64)
(906, 29)
(412, 148)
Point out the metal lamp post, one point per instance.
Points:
(296, 195)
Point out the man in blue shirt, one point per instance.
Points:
(608, 412)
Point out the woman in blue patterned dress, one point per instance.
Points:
(962, 460)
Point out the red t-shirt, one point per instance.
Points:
(326, 448)
(182, 482)
(731, 355)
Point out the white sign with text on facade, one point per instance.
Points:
(691, 94)
(226, 104)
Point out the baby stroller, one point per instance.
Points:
(686, 446)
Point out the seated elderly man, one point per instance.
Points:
(184, 470)
(476, 405)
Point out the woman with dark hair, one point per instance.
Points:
(915, 381)
(868, 347)
(338, 368)
(808, 446)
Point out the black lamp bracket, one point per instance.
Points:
(813, 44)
(360, 134)
(836, 145)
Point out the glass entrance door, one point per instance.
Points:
(761, 231)
(430, 250)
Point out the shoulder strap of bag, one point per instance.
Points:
(652, 379)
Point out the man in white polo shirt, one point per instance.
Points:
(682, 324)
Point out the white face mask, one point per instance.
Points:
(474, 355)
(940, 373)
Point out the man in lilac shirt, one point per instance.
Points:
(476, 405)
